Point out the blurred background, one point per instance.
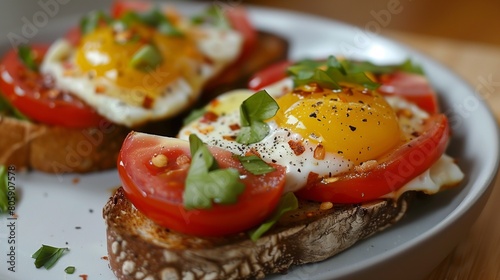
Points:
(467, 20)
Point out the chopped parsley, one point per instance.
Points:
(329, 74)
(4, 197)
(70, 270)
(47, 256)
(27, 56)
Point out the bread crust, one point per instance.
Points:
(60, 150)
(140, 249)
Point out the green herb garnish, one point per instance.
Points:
(90, 22)
(366, 66)
(288, 202)
(253, 112)
(4, 198)
(7, 109)
(154, 18)
(146, 58)
(329, 74)
(206, 183)
(27, 56)
(47, 256)
(255, 164)
(195, 114)
(213, 15)
(70, 270)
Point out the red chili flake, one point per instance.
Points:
(209, 117)
(147, 103)
(296, 147)
(104, 258)
(229, 137)
(100, 89)
(83, 276)
(234, 126)
(319, 152)
(76, 180)
(312, 179)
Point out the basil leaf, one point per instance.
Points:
(195, 114)
(146, 58)
(7, 109)
(4, 200)
(214, 16)
(26, 55)
(288, 202)
(327, 74)
(47, 256)
(366, 66)
(167, 28)
(70, 270)
(205, 183)
(253, 112)
(255, 164)
(90, 22)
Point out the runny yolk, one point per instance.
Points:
(356, 124)
(107, 53)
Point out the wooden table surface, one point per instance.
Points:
(478, 256)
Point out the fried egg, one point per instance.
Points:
(325, 132)
(101, 69)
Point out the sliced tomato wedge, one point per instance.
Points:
(412, 87)
(34, 95)
(157, 191)
(392, 172)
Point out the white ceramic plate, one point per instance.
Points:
(55, 210)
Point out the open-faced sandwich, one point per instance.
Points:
(292, 172)
(68, 106)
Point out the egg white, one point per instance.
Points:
(221, 47)
(275, 148)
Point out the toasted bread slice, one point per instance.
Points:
(60, 150)
(140, 249)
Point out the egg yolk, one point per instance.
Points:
(357, 124)
(107, 53)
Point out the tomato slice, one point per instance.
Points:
(240, 22)
(269, 75)
(120, 7)
(412, 87)
(157, 191)
(392, 172)
(34, 95)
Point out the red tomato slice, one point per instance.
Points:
(157, 191)
(392, 172)
(73, 35)
(120, 7)
(34, 96)
(412, 87)
(240, 21)
(269, 75)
